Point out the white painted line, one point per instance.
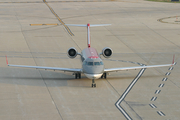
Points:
(157, 91)
(171, 68)
(161, 85)
(126, 92)
(164, 79)
(153, 98)
(152, 105)
(160, 113)
(168, 73)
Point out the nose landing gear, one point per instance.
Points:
(93, 83)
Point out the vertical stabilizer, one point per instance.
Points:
(88, 30)
(88, 35)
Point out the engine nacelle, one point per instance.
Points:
(72, 52)
(107, 52)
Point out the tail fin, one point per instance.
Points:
(88, 30)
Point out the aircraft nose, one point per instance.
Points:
(93, 76)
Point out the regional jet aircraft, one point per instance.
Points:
(92, 64)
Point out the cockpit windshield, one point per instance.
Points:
(93, 63)
(96, 63)
(90, 63)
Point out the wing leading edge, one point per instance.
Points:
(136, 67)
(139, 67)
(48, 68)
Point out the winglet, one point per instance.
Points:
(6, 60)
(173, 60)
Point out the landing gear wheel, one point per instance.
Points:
(79, 75)
(76, 75)
(93, 83)
(104, 75)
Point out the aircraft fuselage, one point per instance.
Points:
(92, 65)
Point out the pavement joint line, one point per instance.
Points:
(53, 102)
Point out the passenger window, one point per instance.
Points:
(90, 63)
(96, 63)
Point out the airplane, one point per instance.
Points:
(92, 64)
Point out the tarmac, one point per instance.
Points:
(33, 32)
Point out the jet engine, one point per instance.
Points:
(72, 52)
(107, 52)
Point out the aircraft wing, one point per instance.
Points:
(48, 68)
(136, 67)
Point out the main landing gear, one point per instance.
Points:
(93, 83)
(104, 75)
(78, 75)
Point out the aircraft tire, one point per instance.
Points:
(93, 85)
(102, 76)
(76, 75)
(105, 75)
(79, 75)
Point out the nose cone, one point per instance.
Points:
(93, 76)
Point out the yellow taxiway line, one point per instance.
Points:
(42, 24)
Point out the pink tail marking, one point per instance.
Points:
(6, 60)
(173, 59)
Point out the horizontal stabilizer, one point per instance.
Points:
(85, 25)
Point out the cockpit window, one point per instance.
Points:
(85, 63)
(93, 63)
(101, 63)
(90, 63)
(96, 63)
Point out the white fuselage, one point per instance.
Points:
(92, 65)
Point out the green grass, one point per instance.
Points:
(164, 1)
